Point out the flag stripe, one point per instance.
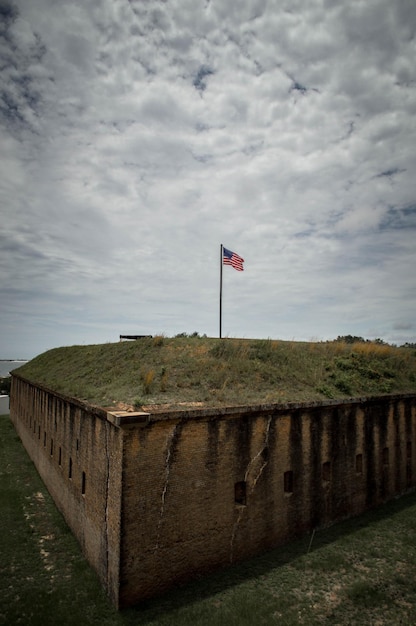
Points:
(233, 259)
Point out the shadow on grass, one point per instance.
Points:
(220, 581)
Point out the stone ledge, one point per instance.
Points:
(123, 418)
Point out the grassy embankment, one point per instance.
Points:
(361, 572)
(211, 372)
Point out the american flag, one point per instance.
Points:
(231, 258)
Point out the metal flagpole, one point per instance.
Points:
(221, 256)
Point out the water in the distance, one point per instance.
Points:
(7, 366)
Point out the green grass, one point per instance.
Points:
(200, 371)
(361, 572)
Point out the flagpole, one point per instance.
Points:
(221, 255)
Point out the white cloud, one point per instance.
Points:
(139, 136)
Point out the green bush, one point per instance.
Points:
(343, 385)
(5, 383)
(137, 403)
(326, 391)
(223, 349)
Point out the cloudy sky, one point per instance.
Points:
(137, 136)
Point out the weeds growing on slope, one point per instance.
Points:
(189, 369)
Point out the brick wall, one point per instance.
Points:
(203, 490)
(78, 454)
(172, 496)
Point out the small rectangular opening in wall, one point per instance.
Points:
(77, 445)
(359, 464)
(288, 482)
(83, 484)
(44, 439)
(240, 492)
(409, 450)
(51, 447)
(39, 432)
(408, 475)
(60, 456)
(385, 457)
(70, 468)
(326, 471)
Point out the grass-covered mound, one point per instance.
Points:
(201, 371)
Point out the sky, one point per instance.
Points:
(138, 136)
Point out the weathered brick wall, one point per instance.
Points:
(203, 489)
(172, 496)
(78, 454)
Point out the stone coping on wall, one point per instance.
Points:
(256, 409)
(141, 418)
(125, 418)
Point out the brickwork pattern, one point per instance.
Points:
(156, 500)
(78, 454)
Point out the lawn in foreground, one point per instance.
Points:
(362, 571)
